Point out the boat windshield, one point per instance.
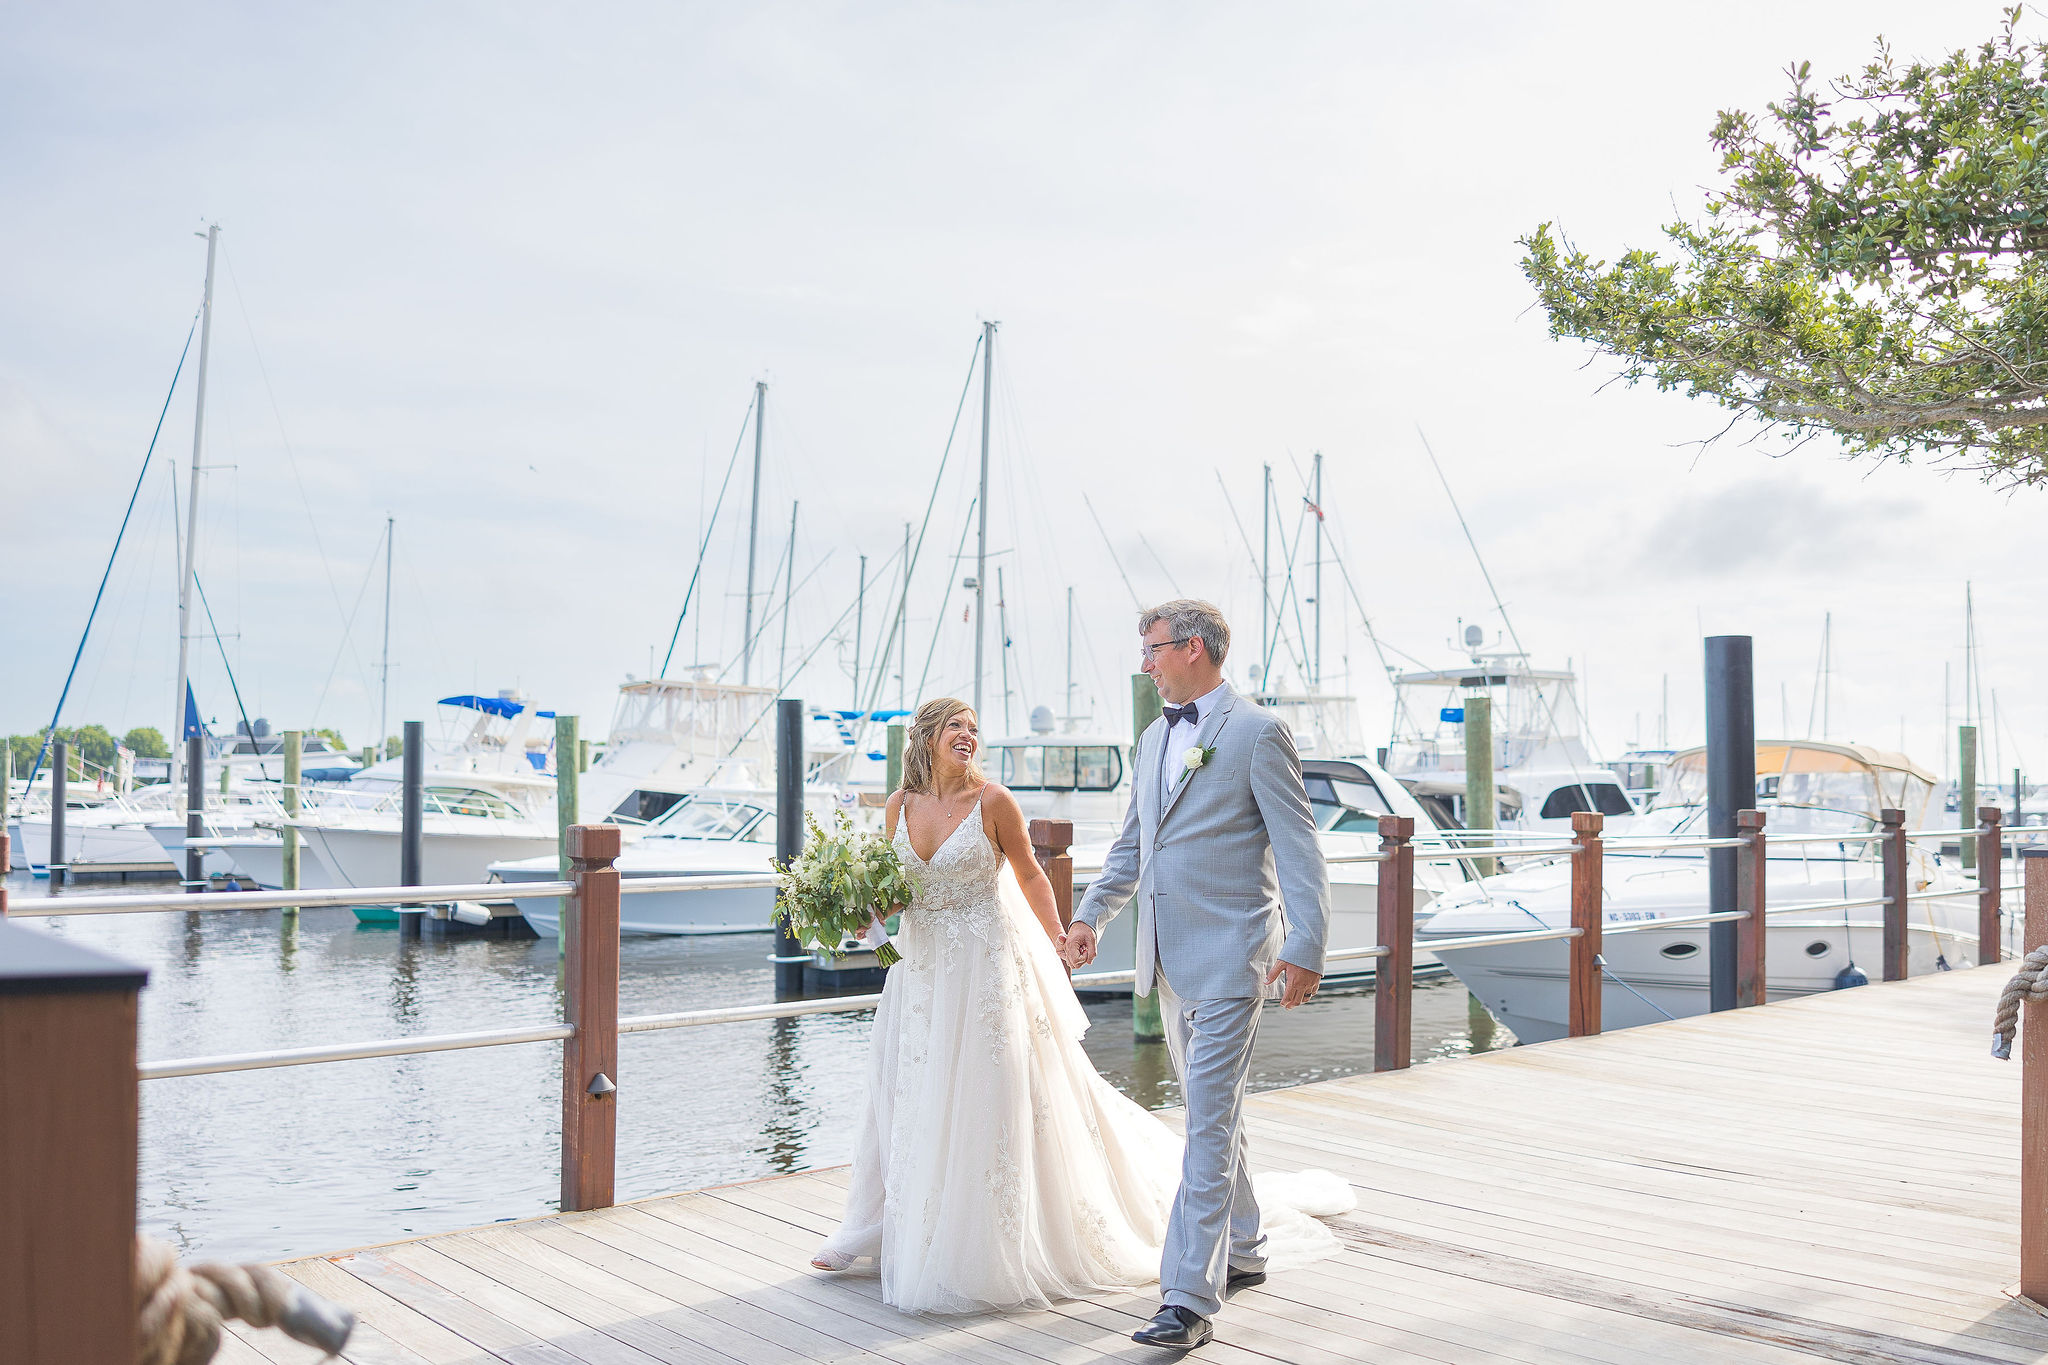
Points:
(701, 818)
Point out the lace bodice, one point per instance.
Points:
(956, 890)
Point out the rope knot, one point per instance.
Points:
(181, 1309)
(2029, 984)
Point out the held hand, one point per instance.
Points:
(1300, 987)
(1077, 946)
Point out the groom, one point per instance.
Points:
(1220, 850)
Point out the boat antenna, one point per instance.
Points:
(384, 666)
(106, 573)
(703, 545)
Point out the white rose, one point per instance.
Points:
(1192, 759)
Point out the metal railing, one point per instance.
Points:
(590, 929)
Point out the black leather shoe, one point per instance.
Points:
(1244, 1279)
(1175, 1328)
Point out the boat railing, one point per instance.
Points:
(590, 1031)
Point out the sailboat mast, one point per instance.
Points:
(753, 534)
(860, 608)
(1318, 579)
(788, 585)
(384, 668)
(1261, 683)
(988, 370)
(903, 630)
(191, 567)
(1070, 657)
(1003, 649)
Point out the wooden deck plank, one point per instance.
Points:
(1832, 1178)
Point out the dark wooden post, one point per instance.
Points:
(2033, 1040)
(1050, 840)
(1588, 915)
(1896, 884)
(1731, 787)
(67, 1151)
(1394, 978)
(590, 1060)
(1990, 885)
(1751, 977)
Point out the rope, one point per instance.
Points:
(181, 1308)
(2030, 984)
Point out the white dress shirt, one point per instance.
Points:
(1180, 737)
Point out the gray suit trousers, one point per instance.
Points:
(1214, 1226)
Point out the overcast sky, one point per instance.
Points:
(508, 274)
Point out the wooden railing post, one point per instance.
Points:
(2033, 1210)
(1050, 840)
(1394, 976)
(590, 1059)
(67, 1151)
(1990, 885)
(1896, 885)
(1750, 935)
(1588, 914)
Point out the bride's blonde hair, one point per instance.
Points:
(926, 726)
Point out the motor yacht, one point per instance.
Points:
(1805, 788)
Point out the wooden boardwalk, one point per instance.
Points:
(1829, 1179)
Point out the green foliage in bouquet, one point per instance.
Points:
(838, 883)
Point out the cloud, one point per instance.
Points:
(1766, 524)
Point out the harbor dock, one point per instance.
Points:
(1833, 1178)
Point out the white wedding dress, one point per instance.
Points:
(993, 1167)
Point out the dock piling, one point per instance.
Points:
(60, 776)
(1588, 914)
(1990, 884)
(1481, 801)
(1146, 1025)
(1896, 884)
(1751, 986)
(294, 754)
(790, 956)
(590, 1058)
(412, 823)
(568, 802)
(1393, 1011)
(898, 737)
(1731, 787)
(195, 812)
(2033, 1209)
(1966, 783)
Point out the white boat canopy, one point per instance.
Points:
(1813, 775)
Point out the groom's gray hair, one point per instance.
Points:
(1189, 619)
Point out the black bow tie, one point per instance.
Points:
(1176, 714)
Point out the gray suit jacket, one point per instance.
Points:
(1226, 869)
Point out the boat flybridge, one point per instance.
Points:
(1805, 788)
(1543, 768)
(689, 769)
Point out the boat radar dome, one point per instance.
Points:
(1041, 720)
(1474, 637)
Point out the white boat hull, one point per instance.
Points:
(85, 844)
(1655, 974)
(370, 856)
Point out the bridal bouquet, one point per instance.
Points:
(840, 886)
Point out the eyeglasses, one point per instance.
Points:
(1145, 649)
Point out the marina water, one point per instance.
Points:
(300, 1160)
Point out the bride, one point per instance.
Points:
(993, 1168)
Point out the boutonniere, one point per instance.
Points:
(1194, 758)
